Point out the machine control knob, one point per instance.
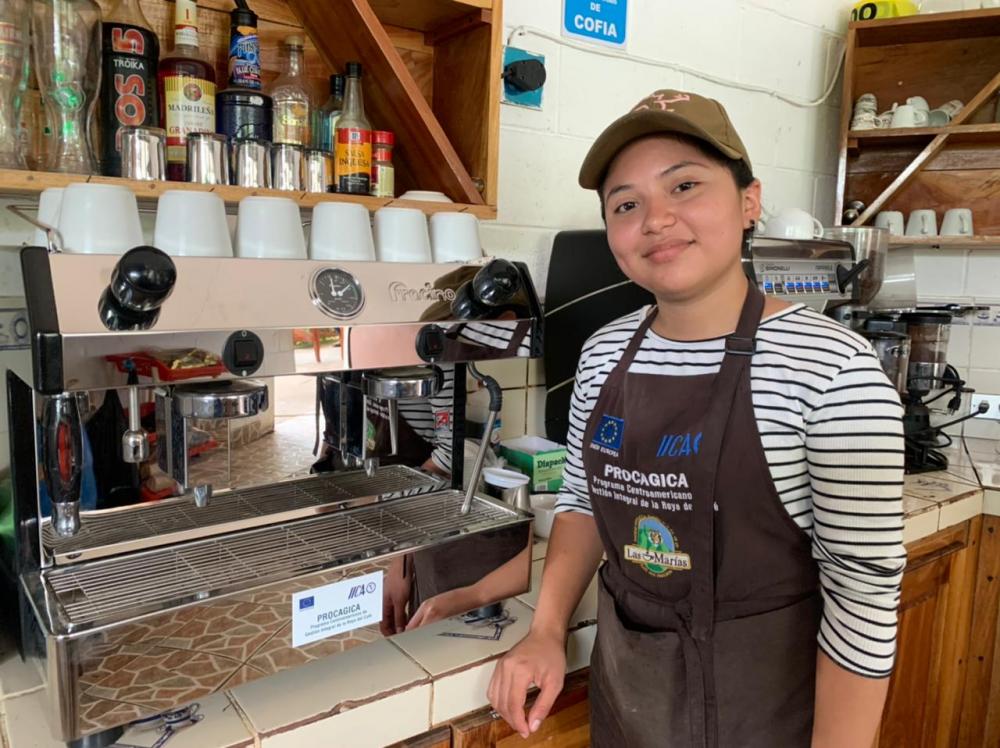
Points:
(143, 279)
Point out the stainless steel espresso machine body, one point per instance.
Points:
(139, 608)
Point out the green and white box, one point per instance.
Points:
(540, 459)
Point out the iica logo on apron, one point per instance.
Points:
(655, 548)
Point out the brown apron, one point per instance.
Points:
(708, 602)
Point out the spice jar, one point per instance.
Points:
(383, 173)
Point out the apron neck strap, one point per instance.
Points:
(743, 341)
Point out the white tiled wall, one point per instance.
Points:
(967, 276)
(785, 46)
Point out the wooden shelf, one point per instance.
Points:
(901, 135)
(945, 242)
(16, 182)
(927, 27)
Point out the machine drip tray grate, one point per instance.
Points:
(112, 589)
(116, 531)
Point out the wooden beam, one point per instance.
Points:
(349, 30)
(460, 25)
(846, 114)
(929, 152)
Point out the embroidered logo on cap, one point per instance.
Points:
(660, 100)
(609, 432)
(655, 548)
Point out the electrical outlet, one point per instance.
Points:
(993, 413)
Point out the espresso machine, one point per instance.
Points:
(136, 609)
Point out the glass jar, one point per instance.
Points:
(67, 41)
(15, 25)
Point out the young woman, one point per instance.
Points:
(737, 459)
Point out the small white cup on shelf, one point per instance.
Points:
(49, 204)
(891, 220)
(401, 235)
(455, 237)
(192, 223)
(922, 223)
(269, 227)
(957, 222)
(341, 231)
(99, 219)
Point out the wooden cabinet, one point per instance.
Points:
(925, 694)
(567, 726)
(941, 57)
(431, 75)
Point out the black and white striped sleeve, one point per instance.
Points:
(854, 451)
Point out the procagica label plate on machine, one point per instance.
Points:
(336, 608)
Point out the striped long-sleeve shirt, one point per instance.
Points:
(831, 429)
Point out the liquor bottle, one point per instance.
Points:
(67, 45)
(354, 139)
(128, 84)
(325, 129)
(187, 90)
(292, 117)
(242, 110)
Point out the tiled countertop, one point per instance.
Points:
(373, 695)
(394, 689)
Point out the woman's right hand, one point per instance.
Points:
(537, 660)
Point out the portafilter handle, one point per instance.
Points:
(62, 461)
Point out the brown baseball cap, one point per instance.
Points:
(664, 111)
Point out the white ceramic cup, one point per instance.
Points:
(922, 223)
(99, 219)
(904, 115)
(341, 231)
(192, 224)
(401, 235)
(49, 204)
(938, 118)
(427, 196)
(918, 102)
(884, 120)
(455, 237)
(793, 223)
(864, 121)
(952, 107)
(891, 220)
(957, 222)
(866, 101)
(269, 227)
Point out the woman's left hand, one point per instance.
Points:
(445, 605)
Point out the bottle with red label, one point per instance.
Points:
(353, 164)
(128, 83)
(187, 90)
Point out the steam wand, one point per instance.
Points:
(496, 400)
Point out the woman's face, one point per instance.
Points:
(675, 218)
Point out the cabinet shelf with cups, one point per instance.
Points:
(947, 61)
(431, 76)
(14, 182)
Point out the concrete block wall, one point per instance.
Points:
(789, 47)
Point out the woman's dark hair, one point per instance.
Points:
(740, 170)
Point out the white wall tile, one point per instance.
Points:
(596, 90)
(824, 198)
(678, 35)
(805, 138)
(536, 411)
(513, 414)
(536, 372)
(509, 373)
(941, 273)
(531, 246)
(985, 347)
(960, 337)
(831, 15)
(11, 280)
(783, 54)
(983, 278)
(785, 188)
(546, 16)
(538, 181)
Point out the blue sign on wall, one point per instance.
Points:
(602, 21)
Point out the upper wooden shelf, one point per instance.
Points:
(427, 15)
(987, 131)
(16, 182)
(927, 27)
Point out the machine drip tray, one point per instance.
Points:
(113, 532)
(112, 590)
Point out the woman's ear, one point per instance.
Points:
(751, 204)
